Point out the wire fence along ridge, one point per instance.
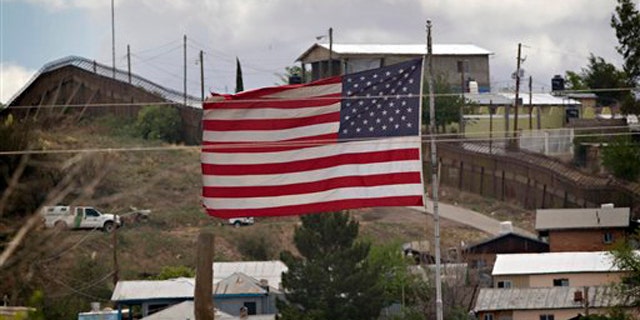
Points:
(106, 71)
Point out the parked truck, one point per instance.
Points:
(79, 217)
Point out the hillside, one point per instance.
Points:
(166, 180)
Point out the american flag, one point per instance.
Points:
(344, 142)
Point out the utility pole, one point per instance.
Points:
(530, 104)
(462, 64)
(185, 68)
(129, 63)
(116, 267)
(113, 39)
(201, 76)
(492, 110)
(434, 173)
(515, 117)
(330, 52)
(203, 300)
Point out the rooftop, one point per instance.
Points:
(553, 262)
(545, 298)
(397, 49)
(556, 219)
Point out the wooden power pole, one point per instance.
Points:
(515, 112)
(203, 295)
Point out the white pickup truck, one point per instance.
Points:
(78, 217)
(245, 221)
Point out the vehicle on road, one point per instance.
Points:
(79, 217)
(244, 221)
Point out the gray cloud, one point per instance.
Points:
(268, 35)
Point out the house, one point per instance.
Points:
(240, 290)
(590, 229)
(483, 254)
(555, 269)
(232, 289)
(271, 271)
(488, 112)
(456, 63)
(556, 303)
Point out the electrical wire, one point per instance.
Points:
(448, 137)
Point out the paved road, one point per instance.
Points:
(470, 218)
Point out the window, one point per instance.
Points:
(504, 284)
(91, 213)
(546, 317)
(488, 316)
(607, 237)
(562, 282)
(251, 307)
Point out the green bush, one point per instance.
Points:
(257, 246)
(622, 158)
(159, 123)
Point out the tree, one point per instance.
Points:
(447, 104)
(626, 257)
(332, 278)
(626, 22)
(239, 82)
(602, 75)
(574, 81)
(169, 272)
(159, 123)
(292, 71)
(622, 158)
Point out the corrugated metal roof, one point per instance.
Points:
(554, 219)
(181, 288)
(185, 310)
(488, 98)
(267, 270)
(545, 298)
(238, 283)
(542, 99)
(397, 49)
(500, 236)
(406, 49)
(553, 262)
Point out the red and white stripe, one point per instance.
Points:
(274, 152)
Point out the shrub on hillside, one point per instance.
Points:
(159, 123)
(622, 158)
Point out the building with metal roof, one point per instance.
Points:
(553, 262)
(253, 284)
(550, 303)
(555, 269)
(457, 64)
(582, 218)
(271, 271)
(583, 229)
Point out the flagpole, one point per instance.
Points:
(434, 173)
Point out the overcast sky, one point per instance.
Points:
(267, 35)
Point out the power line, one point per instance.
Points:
(441, 137)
